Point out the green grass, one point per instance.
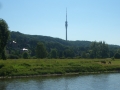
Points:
(25, 67)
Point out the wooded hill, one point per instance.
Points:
(18, 43)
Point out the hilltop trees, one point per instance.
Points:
(58, 48)
(4, 35)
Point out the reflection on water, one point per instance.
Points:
(81, 82)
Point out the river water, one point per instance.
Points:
(75, 82)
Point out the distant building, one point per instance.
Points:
(24, 49)
(14, 42)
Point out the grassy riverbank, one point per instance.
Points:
(24, 67)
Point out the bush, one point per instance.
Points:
(25, 55)
(11, 56)
(117, 55)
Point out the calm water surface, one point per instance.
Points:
(81, 82)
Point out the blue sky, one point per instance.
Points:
(89, 20)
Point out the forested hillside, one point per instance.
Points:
(24, 46)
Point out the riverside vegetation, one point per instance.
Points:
(24, 67)
(34, 48)
(15, 45)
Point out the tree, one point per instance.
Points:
(83, 55)
(41, 51)
(53, 53)
(94, 49)
(4, 35)
(61, 54)
(117, 55)
(99, 50)
(25, 55)
(69, 53)
(105, 50)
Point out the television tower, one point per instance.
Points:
(66, 24)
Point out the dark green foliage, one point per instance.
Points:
(1, 65)
(99, 50)
(4, 35)
(117, 55)
(41, 51)
(83, 55)
(69, 53)
(53, 53)
(69, 49)
(12, 56)
(25, 55)
(6, 70)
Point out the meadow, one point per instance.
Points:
(28, 67)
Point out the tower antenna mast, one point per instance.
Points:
(66, 24)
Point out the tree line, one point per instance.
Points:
(95, 50)
(57, 50)
(12, 43)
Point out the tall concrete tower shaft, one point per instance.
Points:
(66, 24)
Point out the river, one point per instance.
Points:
(109, 81)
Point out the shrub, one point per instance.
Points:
(11, 56)
(25, 55)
